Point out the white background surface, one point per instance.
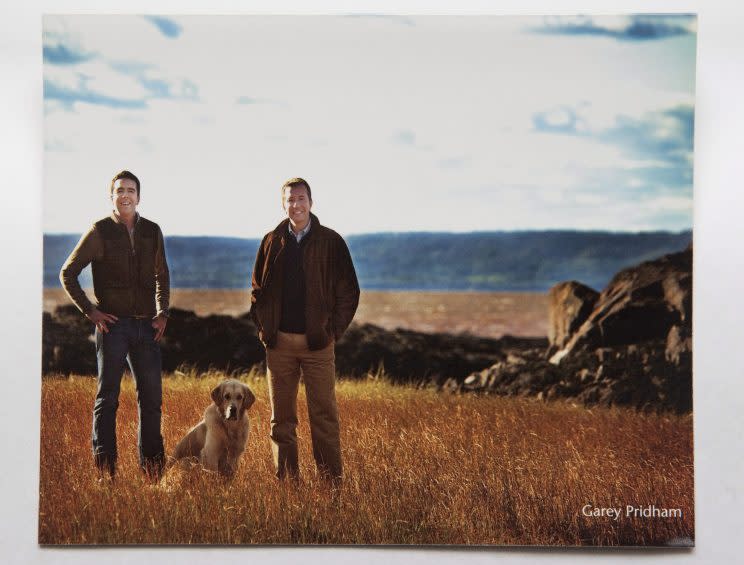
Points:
(718, 231)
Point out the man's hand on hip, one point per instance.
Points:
(101, 319)
(159, 322)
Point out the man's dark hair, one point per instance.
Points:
(126, 175)
(297, 182)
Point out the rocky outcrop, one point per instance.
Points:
(636, 376)
(67, 343)
(634, 348)
(216, 341)
(230, 343)
(640, 304)
(408, 356)
(220, 342)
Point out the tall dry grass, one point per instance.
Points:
(420, 468)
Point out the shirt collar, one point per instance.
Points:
(302, 233)
(118, 221)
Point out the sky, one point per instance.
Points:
(398, 123)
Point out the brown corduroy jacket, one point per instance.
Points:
(332, 290)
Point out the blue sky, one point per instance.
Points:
(399, 123)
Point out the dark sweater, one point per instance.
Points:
(293, 286)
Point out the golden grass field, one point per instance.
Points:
(487, 314)
(421, 467)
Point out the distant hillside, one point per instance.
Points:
(484, 261)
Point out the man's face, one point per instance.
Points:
(297, 205)
(124, 196)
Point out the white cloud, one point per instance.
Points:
(95, 77)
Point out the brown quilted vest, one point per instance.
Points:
(124, 280)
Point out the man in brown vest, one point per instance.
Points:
(304, 296)
(132, 289)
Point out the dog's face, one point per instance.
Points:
(232, 398)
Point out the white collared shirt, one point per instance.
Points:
(302, 233)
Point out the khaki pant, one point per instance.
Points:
(289, 359)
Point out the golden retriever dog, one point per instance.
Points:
(219, 439)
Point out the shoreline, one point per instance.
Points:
(492, 314)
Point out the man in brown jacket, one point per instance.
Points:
(132, 288)
(304, 296)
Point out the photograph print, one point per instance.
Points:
(367, 279)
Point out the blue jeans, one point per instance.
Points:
(129, 340)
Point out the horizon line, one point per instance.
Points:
(438, 232)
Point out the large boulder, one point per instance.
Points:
(569, 305)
